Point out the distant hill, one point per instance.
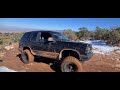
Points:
(19, 29)
(14, 29)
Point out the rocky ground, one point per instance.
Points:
(98, 63)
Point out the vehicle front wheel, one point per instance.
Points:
(27, 57)
(71, 64)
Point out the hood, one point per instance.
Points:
(79, 46)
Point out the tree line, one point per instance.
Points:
(110, 36)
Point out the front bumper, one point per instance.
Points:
(86, 57)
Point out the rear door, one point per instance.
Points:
(36, 45)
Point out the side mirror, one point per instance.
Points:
(50, 39)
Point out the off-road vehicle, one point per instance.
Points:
(55, 45)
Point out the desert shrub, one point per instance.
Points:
(1, 41)
(9, 38)
(113, 37)
(100, 33)
(16, 37)
(70, 34)
(83, 33)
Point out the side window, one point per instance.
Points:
(45, 36)
(26, 36)
(34, 35)
(38, 37)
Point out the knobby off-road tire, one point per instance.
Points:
(71, 64)
(27, 57)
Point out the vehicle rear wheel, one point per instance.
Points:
(27, 57)
(71, 64)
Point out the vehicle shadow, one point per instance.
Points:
(53, 63)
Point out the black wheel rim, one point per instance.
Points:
(70, 67)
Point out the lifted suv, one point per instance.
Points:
(54, 45)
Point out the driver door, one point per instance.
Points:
(48, 49)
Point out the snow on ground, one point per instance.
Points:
(101, 47)
(5, 69)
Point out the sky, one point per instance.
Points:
(60, 23)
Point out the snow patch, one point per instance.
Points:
(101, 47)
(5, 69)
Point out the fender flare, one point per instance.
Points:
(60, 55)
(29, 48)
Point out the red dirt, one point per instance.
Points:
(98, 63)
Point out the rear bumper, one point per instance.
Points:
(86, 57)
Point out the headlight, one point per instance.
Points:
(87, 50)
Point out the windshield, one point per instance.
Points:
(60, 37)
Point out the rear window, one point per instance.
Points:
(34, 36)
(26, 36)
